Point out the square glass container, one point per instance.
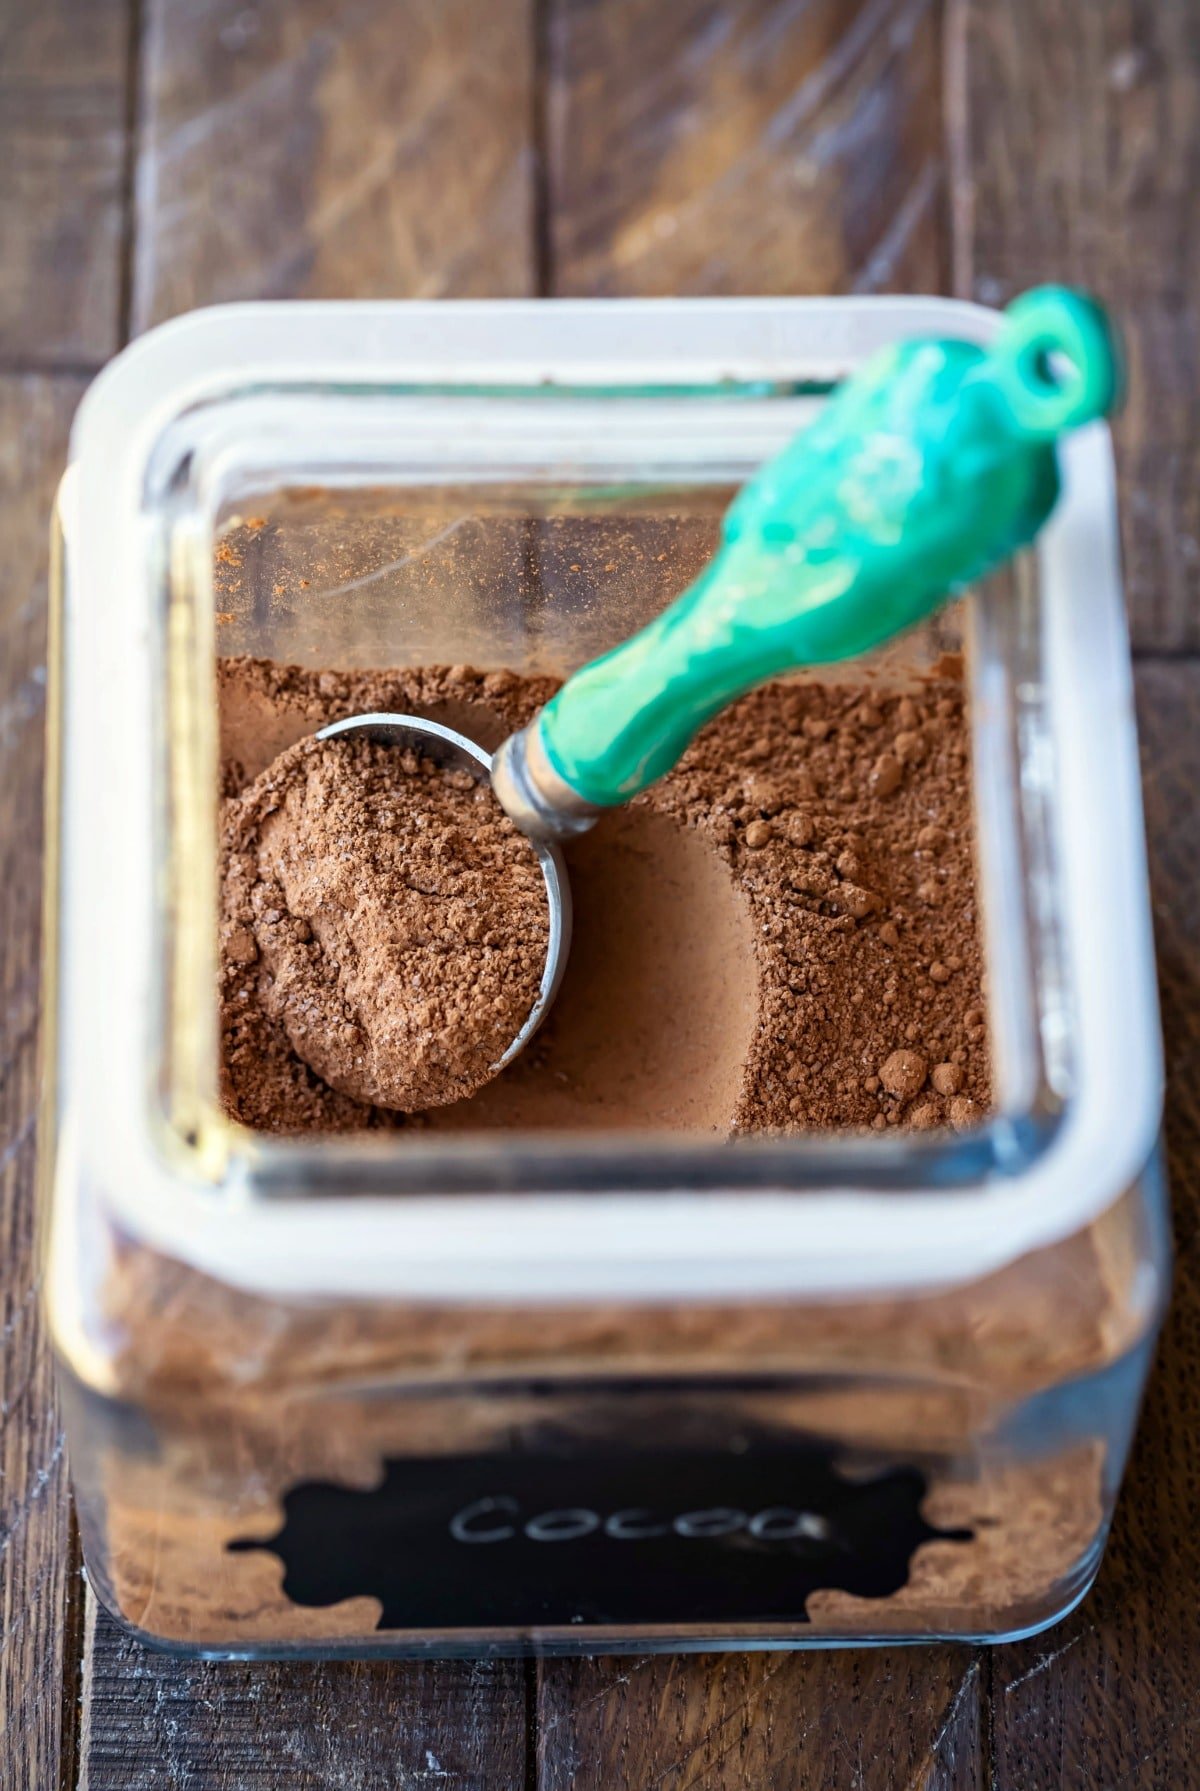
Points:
(467, 1391)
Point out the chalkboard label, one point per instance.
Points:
(584, 1535)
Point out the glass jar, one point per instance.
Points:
(432, 1391)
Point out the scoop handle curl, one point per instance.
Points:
(928, 468)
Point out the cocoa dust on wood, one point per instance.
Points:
(781, 936)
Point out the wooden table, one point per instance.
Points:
(160, 154)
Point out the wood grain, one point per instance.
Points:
(760, 146)
(1112, 1697)
(741, 1722)
(726, 146)
(385, 147)
(159, 1724)
(1077, 156)
(333, 149)
(63, 71)
(35, 1550)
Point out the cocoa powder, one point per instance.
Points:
(781, 936)
(386, 914)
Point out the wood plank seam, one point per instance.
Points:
(70, 1739)
(49, 366)
(543, 234)
(129, 172)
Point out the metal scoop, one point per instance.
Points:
(454, 752)
(925, 470)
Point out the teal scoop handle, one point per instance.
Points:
(926, 469)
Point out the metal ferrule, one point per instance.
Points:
(531, 792)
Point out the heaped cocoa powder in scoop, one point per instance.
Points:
(781, 936)
(387, 915)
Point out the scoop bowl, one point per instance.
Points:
(456, 752)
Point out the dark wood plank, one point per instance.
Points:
(726, 146)
(1076, 156)
(741, 1722)
(35, 1552)
(63, 102)
(356, 149)
(753, 146)
(159, 1724)
(1077, 127)
(333, 149)
(1111, 1698)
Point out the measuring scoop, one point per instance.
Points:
(927, 469)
